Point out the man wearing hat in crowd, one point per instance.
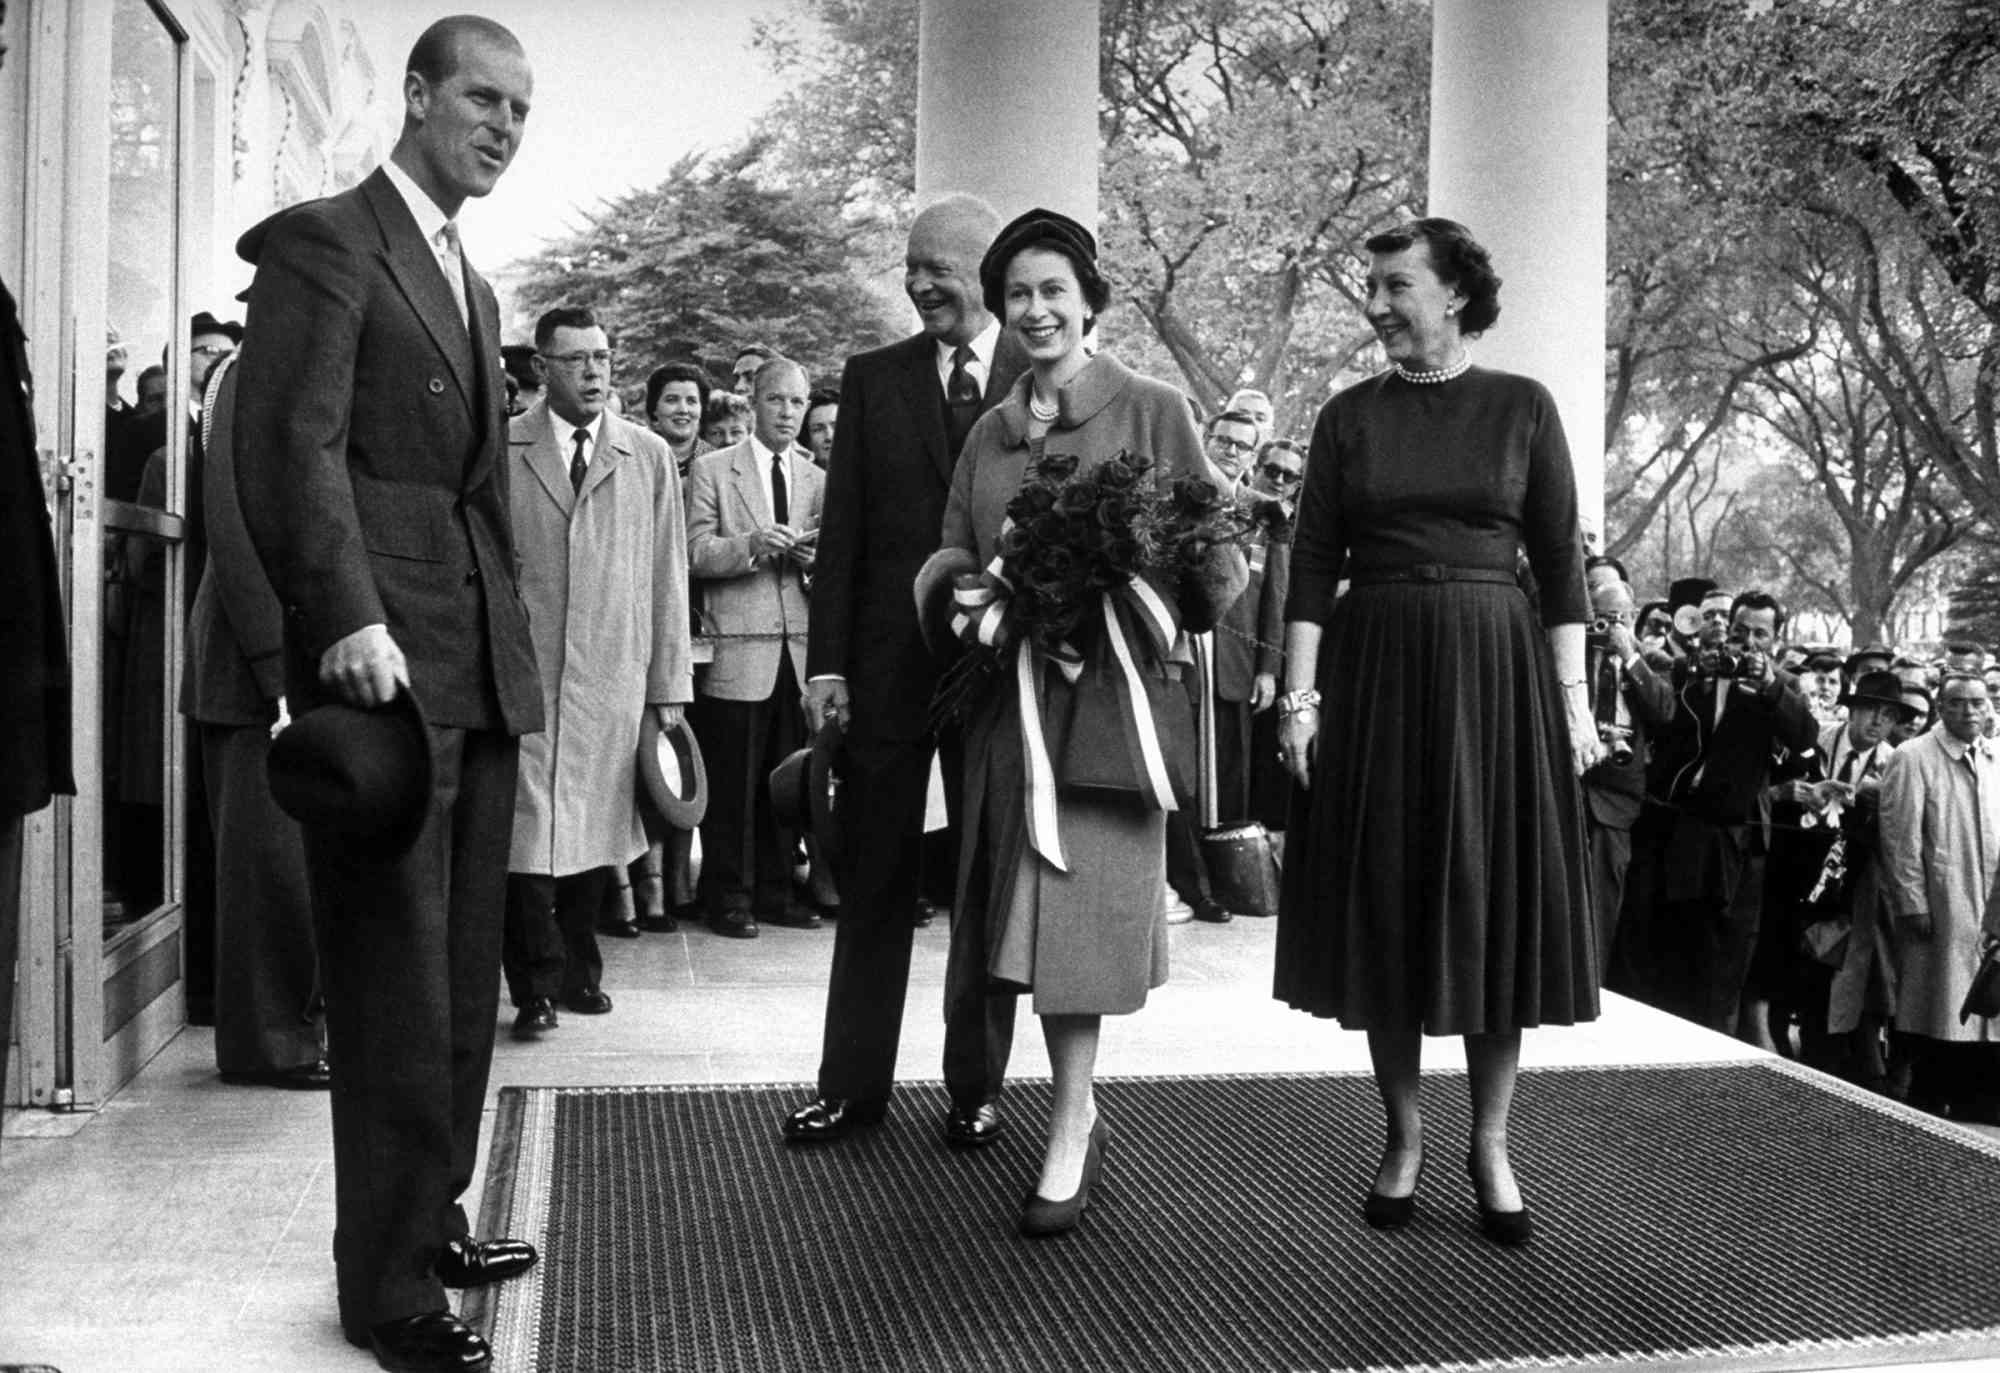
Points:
(905, 410)
(1869, 658)
(1830, 791)
(603, 548)
(371, 392)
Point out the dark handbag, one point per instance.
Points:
(1100, 754)
(1825, 941)
(1242, 869)
(1982, 998)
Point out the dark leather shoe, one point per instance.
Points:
(664, 923)
(926, 912)
(589, 1001)
(829, 1118)
(474, 1263)
(733, 924)
(619, 929)
(435, 1342)
(1210, 910)
(1042, 1218)
(972, 1127)
(1392, 1213)
(537, 1014)
(1510, 1228)
(796, 916)
(315, 1076)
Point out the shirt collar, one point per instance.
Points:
(1956, 748)
(566, 432)
(982, 345)
(430, 218)
(759, 451)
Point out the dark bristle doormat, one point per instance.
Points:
(1736, 1215)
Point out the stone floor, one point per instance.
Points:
(186, 1225)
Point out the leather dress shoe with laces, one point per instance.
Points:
(435, 1342)
(796, 915)
(972, 1127)
(315, 1076)
(537, 1014)
(588, 1001)
(1212, 912)
(620, 929)
(663, 923)
(474, 1263)
(733, 924)
(829, 1118)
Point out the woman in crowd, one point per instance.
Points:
(725, 420)
(676, 397)
(1437, 881)
(1089, 941)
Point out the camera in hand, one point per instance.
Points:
(1617, 741)
(1723, 660)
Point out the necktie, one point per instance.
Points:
(451, 259)
(580, 462)
(781, 506)
(961, 396)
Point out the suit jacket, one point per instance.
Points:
(740, 593)
(377, 493)
(1717, 771)
(1614, 792)
(604, 572)
(887, 483)
(236, 630)
(1251, 636)
(34, 635)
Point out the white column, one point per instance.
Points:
(1007, 104)
(1519, 104)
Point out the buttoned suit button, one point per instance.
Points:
(437, 387)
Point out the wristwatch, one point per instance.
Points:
(1293, 702)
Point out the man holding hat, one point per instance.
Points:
(372, 395)
(905, 410)
(603, 544)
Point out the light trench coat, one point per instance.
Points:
(1935, 860)
(604, 575)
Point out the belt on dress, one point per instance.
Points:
(1431, 572)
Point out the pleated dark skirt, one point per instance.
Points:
(1435, 871)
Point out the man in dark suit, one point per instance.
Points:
(904, 413)
(1737, 715)
(371, 395)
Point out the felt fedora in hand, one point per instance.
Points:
(805, 791)
(936, 581)
(671, 767)
(364, 774)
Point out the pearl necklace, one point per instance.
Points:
(1435, 375)
(1045, 415)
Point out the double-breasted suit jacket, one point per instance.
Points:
(756, 607)
(604, 573)
(379, 494)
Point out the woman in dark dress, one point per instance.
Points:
(1436, 875)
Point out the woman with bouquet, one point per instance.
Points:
(1436, 881)
(1070, 884)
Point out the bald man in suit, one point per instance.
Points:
(904, 413)
(372, 398)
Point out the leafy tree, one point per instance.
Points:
(707, 261)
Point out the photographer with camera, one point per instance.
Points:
(1629, 701)
(1698, 882)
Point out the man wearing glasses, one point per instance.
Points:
(598, 521)
(1231, 443)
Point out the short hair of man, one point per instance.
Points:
(434, 57)
(677, 371)
(563, 317)
(1755, 599)
(1459, 261)
(754, 350)
(724, 405)
(1606, 560)
(776, 367)
(1230, 416)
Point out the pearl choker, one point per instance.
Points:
(1047, 414)
(1435, 375)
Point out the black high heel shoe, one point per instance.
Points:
(1509, 1228)
(1392, 1213)
(1041, 1217)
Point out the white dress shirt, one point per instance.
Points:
(431, 222)
(566, 438)
(980, 365)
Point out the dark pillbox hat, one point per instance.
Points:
(1036, 228)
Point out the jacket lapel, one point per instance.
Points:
(749, 485)
(415, 272)
(924, 399)
(613, 447)
(488, 412)
(538, 434)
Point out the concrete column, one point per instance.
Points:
(1519, 104)
(1007, 104)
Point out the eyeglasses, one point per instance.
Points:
(1271, 472)
(209, 350)
(1228, 445)
(575, 361)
